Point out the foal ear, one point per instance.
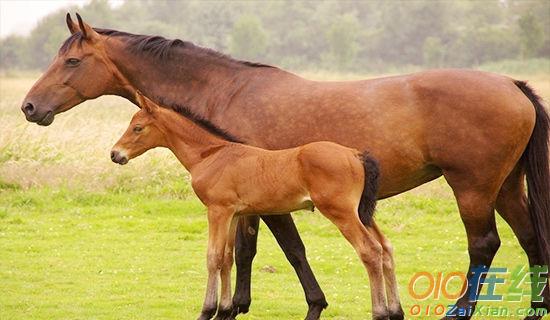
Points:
(88, 32)
(73, 27)
(145, 103)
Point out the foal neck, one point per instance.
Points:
(189, 141)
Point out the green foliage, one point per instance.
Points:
(531, 35)
(434, 52)
(342, 38)
(482, 44)
(248, 38)
(12, 52)
(369, 35)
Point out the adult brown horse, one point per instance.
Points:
(484, 132)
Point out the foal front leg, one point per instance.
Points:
(225, 307)
(219, 220)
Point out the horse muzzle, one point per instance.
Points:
(33, 114)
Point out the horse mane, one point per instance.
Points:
(200, 121)
(162, 49)
(159, 47)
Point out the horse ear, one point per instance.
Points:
(73, 27)
(87, 32)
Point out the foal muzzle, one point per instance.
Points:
(119, 157)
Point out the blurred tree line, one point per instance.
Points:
(332, 35)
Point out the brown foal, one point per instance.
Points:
(233, 179)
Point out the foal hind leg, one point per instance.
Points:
(392, 292)
(368, 249)
(477, 213)
(512, 206)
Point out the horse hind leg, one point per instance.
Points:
(477, 213)
(245, 251)
(287, 236)
(511, 204)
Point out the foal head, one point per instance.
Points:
(143, 133)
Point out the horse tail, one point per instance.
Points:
(535, 163)
(367, 203)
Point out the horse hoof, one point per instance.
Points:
(239, 308)
(240, 305)
(315, 309)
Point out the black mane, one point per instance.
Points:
(162, 48)
(157, 46)
(200, 121)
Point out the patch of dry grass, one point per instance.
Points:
(74, 150)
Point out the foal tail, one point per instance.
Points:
(535, 162)
(367, 204)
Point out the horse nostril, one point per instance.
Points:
(29, 109)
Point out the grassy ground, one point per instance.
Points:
(82, 238)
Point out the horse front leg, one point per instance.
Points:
(219, 220)
(286, 234)
(245, 250)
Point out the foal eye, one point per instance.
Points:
(72, 62)
(138, 129)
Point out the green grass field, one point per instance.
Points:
(83, 238)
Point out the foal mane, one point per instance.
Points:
(200, 121)
(159, 47)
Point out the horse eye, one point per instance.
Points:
(137, 129)
(72, 62)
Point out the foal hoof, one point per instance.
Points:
(225, 314)
(381, 316)
(207, 314)
(397, 314)
(455, 318)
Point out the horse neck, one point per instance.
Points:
(189, 142)
(200, 80)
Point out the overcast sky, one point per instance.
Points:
(20, 16)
